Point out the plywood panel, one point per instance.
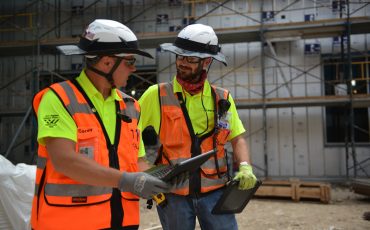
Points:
(358, 42)
(149, 27)
(327, 46)
(241, 55)
(298, 87)
(333, 161)
(283, 82)
(296, 16)
(283, 17)
(214, 21)
(255, 135)
(324, 12)
(270, 76)
(300, 146)
(227, 21)
(314, 89)
(228, 51)
(363, 155)
(240, 21)
(285, 142)
(315, 142)
(273, 143)
(242, 81)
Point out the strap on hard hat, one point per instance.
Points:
(194, 46)
(108, 76)
(95, 47)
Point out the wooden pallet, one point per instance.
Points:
(295, 189)
(361, 186)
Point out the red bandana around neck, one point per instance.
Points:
(193, 88)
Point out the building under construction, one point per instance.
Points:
(298, 70)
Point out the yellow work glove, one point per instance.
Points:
(245, 177)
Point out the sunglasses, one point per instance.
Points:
(189, 59)
(129, 61)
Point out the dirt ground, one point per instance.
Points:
(344, 212)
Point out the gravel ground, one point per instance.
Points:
(344, 212)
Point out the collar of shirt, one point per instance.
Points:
(91, 91)
(178, 88)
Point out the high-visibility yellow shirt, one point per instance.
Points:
(64, 126)
(200, 109)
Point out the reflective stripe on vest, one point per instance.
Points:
(74, 107)
(175, 138)
(75, 190)
(85, 201)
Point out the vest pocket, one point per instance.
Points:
(172, 128)
(222, 136)
(131, 208)
(76, 194)
(209, 167)
(88, 141)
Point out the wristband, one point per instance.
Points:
(243, 163)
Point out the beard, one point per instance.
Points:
(186, 74)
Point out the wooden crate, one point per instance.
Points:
(294, 189)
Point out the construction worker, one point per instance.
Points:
(192, 117)
(88, 161)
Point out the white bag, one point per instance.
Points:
(17, 185)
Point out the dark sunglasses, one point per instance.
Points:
(189, 59)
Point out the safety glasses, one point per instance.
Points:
(189, 59)
(129, 61)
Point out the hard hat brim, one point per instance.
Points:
(170, 47)
(75, 50)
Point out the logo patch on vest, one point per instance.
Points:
(80, 199)
(51, 120)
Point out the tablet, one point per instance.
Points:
(167, 172)
(234, 200)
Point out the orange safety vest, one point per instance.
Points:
(63, 203)
(176, 140)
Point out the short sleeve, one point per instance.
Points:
(54, 120)
(150, 109)
(236, 125)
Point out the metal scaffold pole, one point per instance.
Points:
(349, 85)
(264, 109)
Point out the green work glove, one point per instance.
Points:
(245, 177)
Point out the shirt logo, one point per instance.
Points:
(51, 120)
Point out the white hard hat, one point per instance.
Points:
(105, 37)
(196, 40)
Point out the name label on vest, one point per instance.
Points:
(84, 130)
(81, 199)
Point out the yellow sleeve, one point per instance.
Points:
(236, 125)
(150, 113)
(150, 109)
(53, 119)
